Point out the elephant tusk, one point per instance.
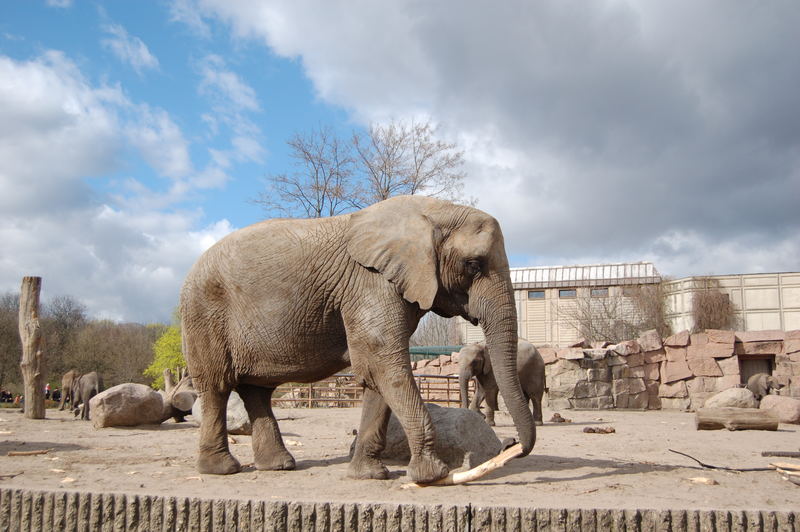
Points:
(475, 473)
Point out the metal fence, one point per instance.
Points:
(342, 391)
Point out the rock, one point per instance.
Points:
(675, 371)
(237, 419)
(679, 403)
(593, 403)
(628, 347)
(728, 381)
(581, 343)
(710, 350)
(126, 405)
(704, 367)
(675, 354)
(700, 385)
(601, 374)
(462, 438)
(760, 336)
(652, 371)
(655, 356)
(585, 389)
(680, 339)
(673, 391)
(729, 366)
(732, 397)
(759, 348)
(786, 408)
(616, 361)
(548, 354)
(698, 339)
(595, 354)
(650, 340)
(571, 353)
(720, 336)
(635, 360)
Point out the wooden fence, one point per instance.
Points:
(342, 391)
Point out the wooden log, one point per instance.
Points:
(32, 364)
(462, 477)
(735, 419)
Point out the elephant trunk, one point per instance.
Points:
(499, 322)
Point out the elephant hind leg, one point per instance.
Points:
(366, 462)
(215, 457)
(268, 449)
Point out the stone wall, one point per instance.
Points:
(679, 372)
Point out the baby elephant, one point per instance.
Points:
(761, 384)
(474, 362)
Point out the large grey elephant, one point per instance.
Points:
(298, 300)
(473, 362)
(68, 388)
(85, 387)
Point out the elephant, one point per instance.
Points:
(762, 384)
(473, 362)
(67, 388)
(297, 300)
(86, 387)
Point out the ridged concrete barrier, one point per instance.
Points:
(27, 510)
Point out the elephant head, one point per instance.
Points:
(449, 259)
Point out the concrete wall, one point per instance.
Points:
(45, 511)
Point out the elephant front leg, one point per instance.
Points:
(371, 440)
(215, 457)
(268, 449)
(490, 390)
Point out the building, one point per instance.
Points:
(763, 301)
(553, 301)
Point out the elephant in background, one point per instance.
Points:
(68, 387)
(86, 387)
(473, 362)
(291, 300)
(762, 384)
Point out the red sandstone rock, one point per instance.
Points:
(680, 339)
(759, 336)
(675, 371)
(720, 337)
(704, 367)
(650, 340)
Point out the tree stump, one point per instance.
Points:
(33, 362)
(735, 419)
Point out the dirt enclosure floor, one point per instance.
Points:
(631, 468)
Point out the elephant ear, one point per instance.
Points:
(395, 238)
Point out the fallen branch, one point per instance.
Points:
(10, 475)
(28, 453)
(475, 473)
(722, 468)
(786, 465)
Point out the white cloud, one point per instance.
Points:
(59, 3)
(593, 130)
(225, 85)
(125, 255)
(129, 49)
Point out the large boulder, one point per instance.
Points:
(786, 408)
(237, 419)
(462, 438)
(126, 405)
(732, 397)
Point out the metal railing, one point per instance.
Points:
(342, 391)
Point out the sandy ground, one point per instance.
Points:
(631, 468)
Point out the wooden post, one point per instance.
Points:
(33, 362)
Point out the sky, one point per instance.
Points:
(133, 135)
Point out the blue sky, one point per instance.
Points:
(134, 134)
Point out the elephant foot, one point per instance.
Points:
(282, 461)
(426, 468)
(367, 468)
(218, 464)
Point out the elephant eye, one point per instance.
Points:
(473, 267)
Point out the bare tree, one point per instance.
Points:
(436, 330)
(333, 176)
(399, 158)
(614, 318)
(10, 346)
(712, 308)
(321, 185)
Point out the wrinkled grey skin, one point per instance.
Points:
(298, 300)
(761, 384)
(68, 388)
(473, 362)
(85, 387)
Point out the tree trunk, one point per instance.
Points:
(33, 362)
(735, 419)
